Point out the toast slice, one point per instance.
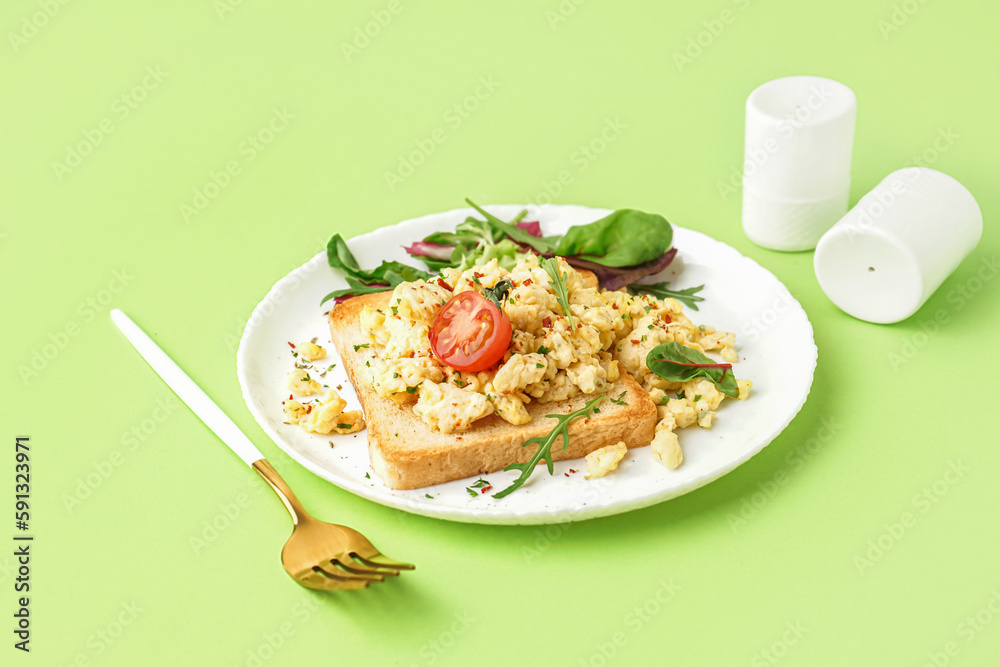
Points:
(406, 453)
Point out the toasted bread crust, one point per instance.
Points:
(406, 453)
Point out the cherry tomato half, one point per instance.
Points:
(470, 333)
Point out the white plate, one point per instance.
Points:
(774, 343)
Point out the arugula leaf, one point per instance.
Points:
(545, 245)
(551, 266)
(545, 446)
(676, 363)
(686, 296)
(625, 237)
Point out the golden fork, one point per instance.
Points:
(318, 555)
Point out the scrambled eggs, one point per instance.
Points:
(324, 416)
(602, 461)
(310, 351)
(548, 360)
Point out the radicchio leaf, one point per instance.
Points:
(533, 228)
(429, 249)
(616, 277)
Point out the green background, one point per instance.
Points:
(772, 546)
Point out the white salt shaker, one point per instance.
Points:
(885, 258)
(797, 160)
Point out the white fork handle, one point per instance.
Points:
(186, 389)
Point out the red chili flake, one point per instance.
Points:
(635, 342)
(666, 316)
(477, 274)
(289, 397)
(309, 408)
(547, 322)
(572, 471)
(291, 345)
(443, 284)
(587, 420)
(614, 306)
(486, 488)
(579, 326)
(566, 473)
(527, 281)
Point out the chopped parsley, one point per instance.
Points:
(543, 350)
(539, 365)
(480, 484)
(412, 390)
(358, 347)
(697, 397)
(620, 400)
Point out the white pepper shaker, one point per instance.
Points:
(886, 257)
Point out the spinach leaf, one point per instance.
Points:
(355, 288)
(361, 281)
(625, 237)
(676, 363)
(340, 257)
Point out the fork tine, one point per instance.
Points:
(378, 560)
(347, 562)
(323, 583)
(332, 570)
